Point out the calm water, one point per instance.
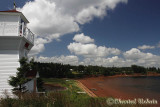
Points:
(143, 87)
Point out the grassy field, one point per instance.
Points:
(65, 98)
(73, 98)
(71, 90)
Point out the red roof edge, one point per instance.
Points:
(31, 74)
(15, 11)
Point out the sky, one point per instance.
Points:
(93, 32)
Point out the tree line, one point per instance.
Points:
(58, 70)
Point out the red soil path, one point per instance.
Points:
(84, 88)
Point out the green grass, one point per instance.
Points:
(71, 86)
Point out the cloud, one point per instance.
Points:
(45, 18)
(39, 43)
(128, 58)
(144, 47)
(74, 60)
(90, 49)
(36, 49)
(97, 9)
(158, 46)
(135, 56)
(71, 59)
(51, 19)
(82, 38)
(106, 62)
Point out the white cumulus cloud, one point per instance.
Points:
(135, 56)
(92, 50)
(46, 19)
(130, 57)
(82, 38)
(97, 9)
(86, 49)
(158, 45)
(71, 59)
(144, 47)
(106, 62)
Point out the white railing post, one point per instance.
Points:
(33, 39)
(28, 34)
(22, 28)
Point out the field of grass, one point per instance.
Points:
(65, 98)
(71, 86)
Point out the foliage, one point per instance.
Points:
(55, 70)
(40, 83)
(18, 80)
(138, 69)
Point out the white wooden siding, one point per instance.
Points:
(9, 25)
(8, 67)
(10, 43)
(30, 85)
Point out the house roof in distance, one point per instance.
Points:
(31, 74)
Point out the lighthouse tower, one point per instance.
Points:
(16, 40)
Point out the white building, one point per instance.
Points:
(31, 86)
(16, 40)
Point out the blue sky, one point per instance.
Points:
(128, 26)
(127, 30)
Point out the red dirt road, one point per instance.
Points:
(83, 87)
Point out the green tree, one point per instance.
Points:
(138, 69)
(20, 79)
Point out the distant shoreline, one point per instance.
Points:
(136, 75)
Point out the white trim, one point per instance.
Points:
(16, 13)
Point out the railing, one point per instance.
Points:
(24, 31)
(29, 35)
(14, 29)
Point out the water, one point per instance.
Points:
(142, 87)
